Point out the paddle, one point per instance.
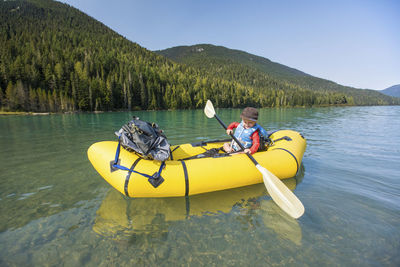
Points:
(282, 195)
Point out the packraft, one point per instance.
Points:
(195, 168)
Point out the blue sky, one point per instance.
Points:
(354, 43)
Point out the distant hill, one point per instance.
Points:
(55, 58)
(200, 54)
(257, 71)
(392, 91)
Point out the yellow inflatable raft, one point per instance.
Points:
(184, 177)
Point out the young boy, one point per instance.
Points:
(247, 132)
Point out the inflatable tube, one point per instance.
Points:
(185, 177)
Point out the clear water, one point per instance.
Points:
(56, 210)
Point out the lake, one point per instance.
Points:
(55, 210)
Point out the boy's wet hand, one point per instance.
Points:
(228, 132)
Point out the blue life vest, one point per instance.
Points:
(244, 135)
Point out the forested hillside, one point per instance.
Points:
(55, 58)
(260, 72)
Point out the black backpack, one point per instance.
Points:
(144, 138)
(265, 142)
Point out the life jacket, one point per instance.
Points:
(144, 138)
(244, 136)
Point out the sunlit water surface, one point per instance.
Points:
(56, 210)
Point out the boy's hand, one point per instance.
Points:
(228, 132)
(247, 151)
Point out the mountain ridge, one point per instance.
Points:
(245, 57)
(392, 90)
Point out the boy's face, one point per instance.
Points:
(248, 123)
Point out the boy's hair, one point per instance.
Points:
(250, 113)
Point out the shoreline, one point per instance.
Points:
(24, 113)
(101, 111)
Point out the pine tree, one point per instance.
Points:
(11, 98)
(33, 100)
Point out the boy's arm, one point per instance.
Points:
(233, 125)
(256, 142)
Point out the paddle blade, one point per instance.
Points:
(282, 195)
(209, 109)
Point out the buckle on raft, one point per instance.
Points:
(156, 179)
(112, 167)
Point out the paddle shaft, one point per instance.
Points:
(237, 141)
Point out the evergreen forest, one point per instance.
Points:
(54, 58)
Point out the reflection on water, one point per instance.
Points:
(122, 218)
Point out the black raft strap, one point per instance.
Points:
(294, 157)
(171, 151)
(186, 178)
(128, 176)
(287, 138)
